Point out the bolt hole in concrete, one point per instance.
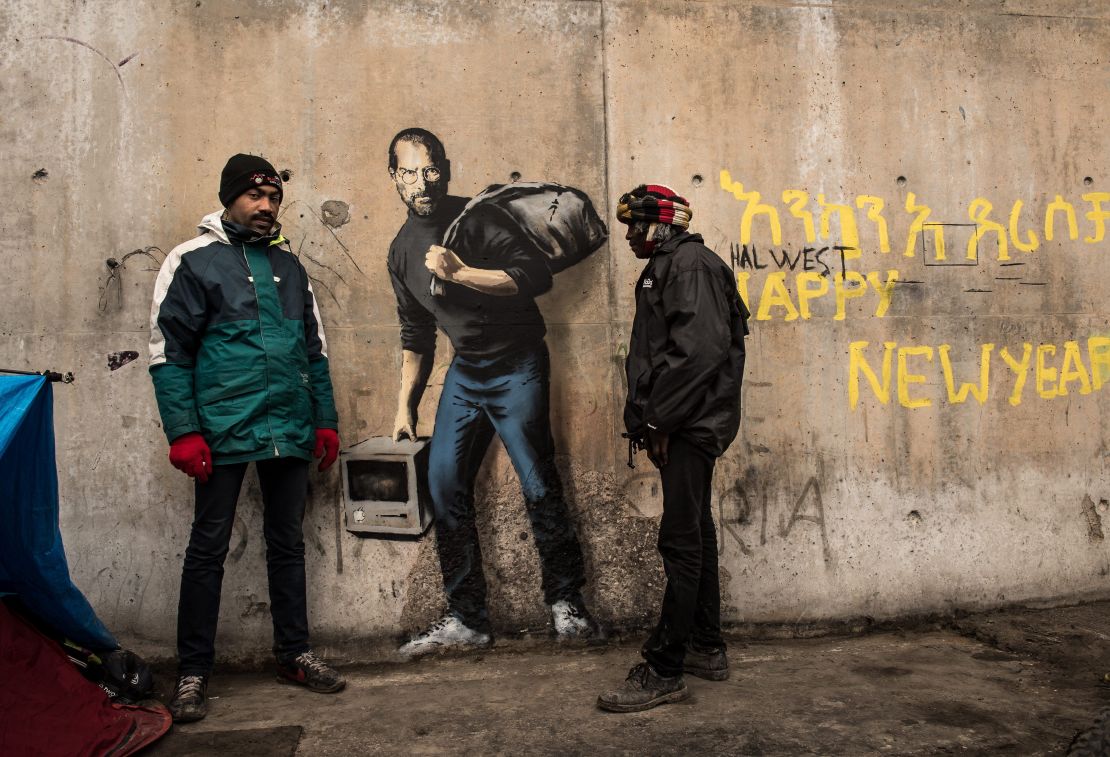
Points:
(914, 517)
(697, 180)
(40, 175)
(1088, 181)
(901, 181)
(286, 174)
(514, 176)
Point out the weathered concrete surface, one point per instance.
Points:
(953, 504)
(118, 117)
(911, 692)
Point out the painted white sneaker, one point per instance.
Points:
(572, 621)
(446, 633)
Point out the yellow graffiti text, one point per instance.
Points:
(997, 228)
(900, 372)
(778, 301)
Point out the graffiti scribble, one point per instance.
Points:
(115, 66)
(331, 231)
(301, 254)
(113, 285)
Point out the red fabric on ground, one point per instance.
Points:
(48, 708)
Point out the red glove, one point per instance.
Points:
(190, 453)
(327, 447)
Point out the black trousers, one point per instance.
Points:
(688, 544)
(284, 484)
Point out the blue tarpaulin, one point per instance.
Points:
(32, 559)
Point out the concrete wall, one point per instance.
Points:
(863, 483)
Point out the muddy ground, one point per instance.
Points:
(1020, 682)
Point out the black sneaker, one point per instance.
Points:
(712, 665)
(308, 670)
(642, 690)
(190, 699)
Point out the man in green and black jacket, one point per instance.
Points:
(240, 371)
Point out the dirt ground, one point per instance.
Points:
(1020, 682)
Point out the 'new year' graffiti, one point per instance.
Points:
(1052, 370)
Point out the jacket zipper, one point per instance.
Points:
(265, 352)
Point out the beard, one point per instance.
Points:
(422, 203)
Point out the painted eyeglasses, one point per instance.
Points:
(431, 174)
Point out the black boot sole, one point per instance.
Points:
(708, 675)
(334, 689)
(189, 718)
(674, 696)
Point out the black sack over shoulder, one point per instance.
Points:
(560, 221)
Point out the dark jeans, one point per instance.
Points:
(688, 543)
(284, 484)
(507, 396)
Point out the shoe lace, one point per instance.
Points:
(189, 686)
(571, 611)
(637, 674)
(310, 661)
(436, 627)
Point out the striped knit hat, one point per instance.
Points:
(654, 203)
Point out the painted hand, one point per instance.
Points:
(189, 453)
(657, 445)
(443, 262)
(404, 426)
(327, 447)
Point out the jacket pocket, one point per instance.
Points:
(232, 406)
(221, 386)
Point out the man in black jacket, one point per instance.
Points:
(685, 365)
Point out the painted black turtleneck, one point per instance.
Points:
(480, 326)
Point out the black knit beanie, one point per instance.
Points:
(243, 172)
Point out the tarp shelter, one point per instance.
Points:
(47, 707)
(32, 558)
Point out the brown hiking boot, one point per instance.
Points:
(711, 665)
(642, 690)
(190, 699)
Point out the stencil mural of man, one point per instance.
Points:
(482, 296)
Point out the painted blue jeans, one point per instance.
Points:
(508, 396)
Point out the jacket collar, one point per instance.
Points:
(211, 224)
(214, 224)
(672, 244)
